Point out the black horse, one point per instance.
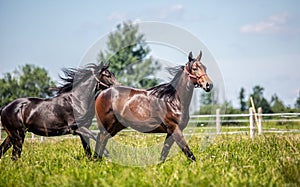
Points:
(70, 112)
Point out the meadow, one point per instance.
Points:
(222, 160)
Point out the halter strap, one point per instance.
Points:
(103, 84)
(193, 76)
(97, 78)
(98, 81)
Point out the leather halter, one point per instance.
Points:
(99, 82)
(193, 76)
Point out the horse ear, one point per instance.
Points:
(190, 56)
(199, 56)
(105, 65)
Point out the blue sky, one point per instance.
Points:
(254, 42)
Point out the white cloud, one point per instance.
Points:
(116, 16)
(176, 7)
(171, 11)
(273, 24)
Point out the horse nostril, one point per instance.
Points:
(209, 86)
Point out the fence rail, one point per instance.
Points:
(255, 121)
(285, 117)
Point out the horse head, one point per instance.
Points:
(105, 78)
(197, 72)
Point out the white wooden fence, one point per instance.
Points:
(254, 121)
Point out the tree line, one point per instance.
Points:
(25, 81)
(274, 105)
(128, 54)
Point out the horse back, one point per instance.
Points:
(37, 113)
(14, 111)
(129, 107)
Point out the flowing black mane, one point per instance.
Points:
(168, 90)
(72, 76)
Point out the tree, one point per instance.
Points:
(27, 81)
(259, 99)
(8, 89)
(208, 98)
(277, 104)
(297, 103)
(128, 54)
(208, 103)
(241, 97)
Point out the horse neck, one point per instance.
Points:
(83, 97)
(184, 89)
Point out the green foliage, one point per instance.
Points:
(9, 89)
(277, 105)
(27, 81)
(259, 99)
(128, 54)
(209, 104)
(243, 104)
(297, 103)
(208, 98)
(229, 160)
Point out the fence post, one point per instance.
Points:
(259, 111)
(218, 121)
(251, 120)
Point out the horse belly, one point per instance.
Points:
(46, 122)
(50, 132)
(146, 127)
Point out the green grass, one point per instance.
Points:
(225, 160)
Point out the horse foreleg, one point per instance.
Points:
(86, 145)
(83, 131)
(167, 146)
(6, 144)
(179, 139)
(85, 134)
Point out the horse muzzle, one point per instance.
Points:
(208, 87)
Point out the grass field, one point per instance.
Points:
(224, 160)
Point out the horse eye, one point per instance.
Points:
(107, 74)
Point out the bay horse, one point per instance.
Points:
(70, 112)
(161, 109)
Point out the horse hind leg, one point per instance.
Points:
(101, 142)
(17, 141)
(103, 137)
(6, 144)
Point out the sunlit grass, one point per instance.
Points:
(224, 160)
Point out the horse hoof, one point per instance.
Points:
(193, 158)
(14, 158)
